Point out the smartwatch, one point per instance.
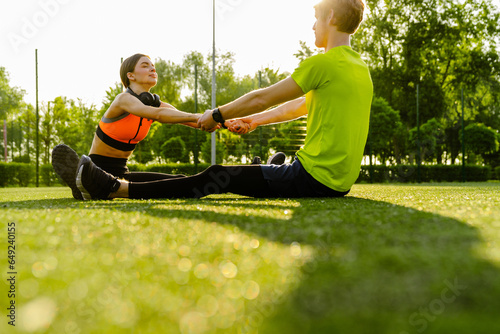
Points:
(216, 115)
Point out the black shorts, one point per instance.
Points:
(115, 166)
(292, 180)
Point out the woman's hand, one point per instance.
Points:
(194, 123)
(241, 126)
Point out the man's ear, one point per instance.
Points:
(331, 18)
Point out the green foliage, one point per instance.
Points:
(16, 174)
(7, 174)
(174, 150)
(11, 98)
(234, 145)
(170, 81)
(161, 133)
(142, 153)
(440, 45)
(48, 176)
(385, 139)
(428, 173)
(261, 151)
(220, 152)
(268, 76)
(111, 94)
(480, 139)
(306, 52)
(287, 137)
(431, 138)
(23, 158)
(493, 159)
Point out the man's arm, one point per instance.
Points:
(284, 113)
(254, 102)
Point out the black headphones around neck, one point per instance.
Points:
(147, 98)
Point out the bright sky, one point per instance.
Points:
(80, 42)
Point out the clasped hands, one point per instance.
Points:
(239, 125)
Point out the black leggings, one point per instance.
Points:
(118, 167)
(242, 180)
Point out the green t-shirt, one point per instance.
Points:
(339, 92)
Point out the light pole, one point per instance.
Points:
(463, 138)
(214, 96)
(37, 121)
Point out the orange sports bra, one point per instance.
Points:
(123, 132)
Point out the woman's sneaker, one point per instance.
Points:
(93, 182)
(64, 161)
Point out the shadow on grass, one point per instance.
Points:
(378, 267)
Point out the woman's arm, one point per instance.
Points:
(193, 125)
(165, 114)
(286, 112)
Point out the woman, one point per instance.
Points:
(123, 126)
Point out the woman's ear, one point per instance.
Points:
(130, 76)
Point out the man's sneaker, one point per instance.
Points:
(256, 161)
(93, 182)
(64, 161)
(277, 158)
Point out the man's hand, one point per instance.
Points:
(207, 123)
(241, 126)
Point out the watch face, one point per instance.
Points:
(217, 116)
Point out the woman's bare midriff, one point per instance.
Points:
(100, 148)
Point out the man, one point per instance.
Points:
(338, 92)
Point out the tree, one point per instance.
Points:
(233, 142)
(11, 98)
(384, 140)
(206, 151)
(26, 120)
(480, 139)
(268, 77)
(111, 94)
(287, 137)
(11, 103)
(74, 123)
(493, 159)
(431, 139)
(170, 81)
(174, 150)
(305, 52)
(47, 131)
(439, 44)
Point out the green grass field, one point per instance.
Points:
(386, 259)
